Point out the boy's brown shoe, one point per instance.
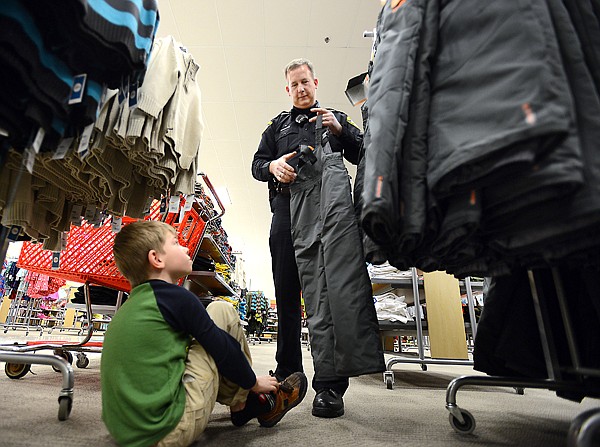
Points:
(291, 392)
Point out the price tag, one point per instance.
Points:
(55, 260)
(189, 200)
(63, 148)
(90, 212)
(133, 90)
(102, 100)
(29, 159)
(84, 142)
(77, 89)
(63, 240)
(13, 233)
(124, 90)
(76, 212)
(174, 204)
(37, 141)
(116, 224)
(97, 219)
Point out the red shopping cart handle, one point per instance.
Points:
(91, 344)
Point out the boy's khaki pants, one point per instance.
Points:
(203, 385)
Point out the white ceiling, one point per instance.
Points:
(242, 48)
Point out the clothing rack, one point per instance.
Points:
(421, 359)
(561, 377)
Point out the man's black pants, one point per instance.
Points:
(287, 290)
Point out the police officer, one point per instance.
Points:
(279, 142)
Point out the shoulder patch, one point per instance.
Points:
(351, 122)
(278, 117)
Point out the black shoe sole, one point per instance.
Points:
(327, 412)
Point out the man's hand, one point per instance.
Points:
(329, 120)
(283, 172)
(265, 384)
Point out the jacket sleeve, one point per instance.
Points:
(265, 154)
(185, 313)
(351, 139)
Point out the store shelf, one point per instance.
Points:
(101, 309)
(474, 284)
(395, 281)
(211, 282)
(388, 328)
(210, 247)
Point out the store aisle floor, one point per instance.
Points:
(412, 414)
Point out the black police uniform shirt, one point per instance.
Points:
(289, 130)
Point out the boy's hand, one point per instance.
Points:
(265, 384)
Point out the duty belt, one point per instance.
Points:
(283, 190)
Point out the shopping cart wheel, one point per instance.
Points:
(388, 378)
(82, 360)
(423, 366)
(65, 355)
(465, 428)
(389, 384)
(64, 407)
(16, 370)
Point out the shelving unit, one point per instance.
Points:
(211, 282)
(207, 284)
(271, 327)
(33, 314)
(419, 328)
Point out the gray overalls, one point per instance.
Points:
(342, 322)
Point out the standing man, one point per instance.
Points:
(282, 137)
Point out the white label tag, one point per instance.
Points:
(84, 143)
(189, 200)
(90, 211)
(76, 212)
(174, 204)
(116, 224)
(102, 100)
(63, 240)
(29, 159)
(63, 148)
(37, 141)
(97, 219)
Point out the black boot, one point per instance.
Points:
(328, 404)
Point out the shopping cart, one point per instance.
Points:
(88, 259)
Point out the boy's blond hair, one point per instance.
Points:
(132, 245)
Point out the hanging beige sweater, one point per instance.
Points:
(170, 86)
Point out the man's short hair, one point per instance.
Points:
(298, 63)
(132, 245)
